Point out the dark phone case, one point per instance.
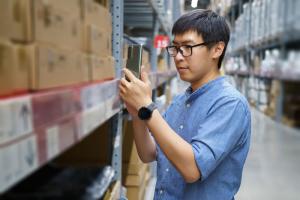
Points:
(134, 59)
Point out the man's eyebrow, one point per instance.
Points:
(183, 42)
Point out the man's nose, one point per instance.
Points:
(179, 56)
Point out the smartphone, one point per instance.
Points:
(134, 59)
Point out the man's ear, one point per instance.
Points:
(218, 50)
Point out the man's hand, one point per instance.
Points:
(132, 111)
(135, 93)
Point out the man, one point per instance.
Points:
(201, 142)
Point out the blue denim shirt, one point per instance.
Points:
(215, 120)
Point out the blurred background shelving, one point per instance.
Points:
(263, 54)
(64, 132)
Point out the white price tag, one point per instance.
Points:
(52, 141)
(22, 115)
(93, 118)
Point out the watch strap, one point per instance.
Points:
(152, 106)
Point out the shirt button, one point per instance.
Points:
(167, 169)
(188, 105)
(161, 191)
(181, 127)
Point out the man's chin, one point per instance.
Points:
(184, 78)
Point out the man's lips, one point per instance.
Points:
(182, 69)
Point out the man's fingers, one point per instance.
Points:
(124, 83)
(129, 75)
(122, 89)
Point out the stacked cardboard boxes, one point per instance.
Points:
(43, 40)
(14, 67)
(43, 44)
(146, 61)
(291, 108)
(97, 32)
(161, 64)
(274, 97)
(135, 173)
(263, 90)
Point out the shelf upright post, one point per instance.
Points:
(155, 26)
(279, 102)
(176, 10)
(283, 52)
(117, 10)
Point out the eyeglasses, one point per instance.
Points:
(185, 50)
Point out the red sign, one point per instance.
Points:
(161, 41)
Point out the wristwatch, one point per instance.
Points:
(145, 113)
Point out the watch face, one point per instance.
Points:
(144, 113)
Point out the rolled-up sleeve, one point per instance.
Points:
(223, 128)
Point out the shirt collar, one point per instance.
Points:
(190, 95)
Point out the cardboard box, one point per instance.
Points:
(113, 193)
(50, 22)
(161, 65)
(15, 63)
(110, 71)
(129, 150)
(55, 67)
(137, 192)
(16, 20)
(96, 14)
(132, 168)
(136, 179)
(97, 41)
(101, 68)
(105, 3)
(55, 26)
(72, 7)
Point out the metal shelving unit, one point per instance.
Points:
(38, 127)
(282, 40)
(35, 128)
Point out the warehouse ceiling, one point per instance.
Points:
(139, 16)
(201, 4)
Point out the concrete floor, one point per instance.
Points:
(272, 169)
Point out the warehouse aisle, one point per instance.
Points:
(272, 168)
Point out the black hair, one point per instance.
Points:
(211, 26)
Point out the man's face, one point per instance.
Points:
(195, 67)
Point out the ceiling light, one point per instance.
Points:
(194, 3)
